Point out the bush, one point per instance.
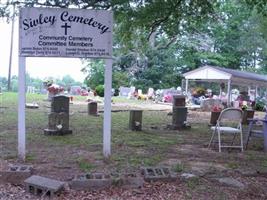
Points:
(260, 104)
(100, 90)
(116, 92)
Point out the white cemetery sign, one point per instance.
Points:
(65, 33)
(49, 32)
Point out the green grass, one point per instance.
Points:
(85, 165)
(179, 167)
(232, 165)
(30, 157)
(130, 149)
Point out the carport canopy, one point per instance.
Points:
(231, 76)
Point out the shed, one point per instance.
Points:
(219, 74)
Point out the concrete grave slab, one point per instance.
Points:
(206, 168)
(231, 182)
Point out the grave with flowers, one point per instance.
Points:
(52, 89)
(215, 113)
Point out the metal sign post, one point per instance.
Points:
(50, 32)
(107, 109)
(21, 110)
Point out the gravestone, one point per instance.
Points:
(58, 119)
(135, 120)
(179, 112)
(31, 89)
(92, 108)
(124, 91)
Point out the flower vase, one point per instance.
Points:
(247, 114)
(214, 117)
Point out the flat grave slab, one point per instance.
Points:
(32, 105)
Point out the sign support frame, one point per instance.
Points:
(21, 109)
(107, 109)
(108, 76)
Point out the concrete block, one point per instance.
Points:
(129, 181)
(91, 181)
(16, 174)
(158, 174)
(42, 186)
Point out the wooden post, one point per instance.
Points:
(11, 51)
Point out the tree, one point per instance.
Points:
(14, 83)
(3, 83)
(132, 16)
(95, 71)
(156, 41)
(67, 81)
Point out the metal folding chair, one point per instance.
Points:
(230, 123)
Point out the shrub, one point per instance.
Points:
(116, 92)
(260, 105)
(100, 90)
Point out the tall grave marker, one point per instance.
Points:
(50, 32)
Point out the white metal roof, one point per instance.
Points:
(217, 74)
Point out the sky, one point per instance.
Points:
(36, 67)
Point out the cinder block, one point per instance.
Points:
(129, 181)
(158, 174)
(91, 181)
(42, 186)
(16, 174)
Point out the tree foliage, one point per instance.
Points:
(156, 41)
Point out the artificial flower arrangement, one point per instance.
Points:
(215, 113)
(244, 107)
(216, 108)
(55, 89)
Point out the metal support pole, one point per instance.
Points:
(186, 86)
(21, 109)
(229, 93)
(107, 109)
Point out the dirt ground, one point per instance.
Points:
(247, 170)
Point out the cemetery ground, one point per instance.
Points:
(227, 175)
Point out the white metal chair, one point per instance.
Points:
(230, 123)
